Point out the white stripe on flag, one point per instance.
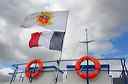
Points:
(45, 38)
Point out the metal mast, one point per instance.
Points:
(87, 42)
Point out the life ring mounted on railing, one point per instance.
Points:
(90, 75)
(39, 70)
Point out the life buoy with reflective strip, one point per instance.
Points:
(38, 72)
(90, 75)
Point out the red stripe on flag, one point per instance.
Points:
(33, 42)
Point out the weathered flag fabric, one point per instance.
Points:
(47, 39)
(51, 20)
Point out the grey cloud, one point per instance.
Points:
(5, 51)
(4, 78)
(13, 10)
(105, 15)
(103, 18)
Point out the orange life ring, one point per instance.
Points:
(36, 74)
(91, 75)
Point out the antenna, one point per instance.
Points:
(87, 48)
(87, 41)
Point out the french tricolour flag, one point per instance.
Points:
(49, 39)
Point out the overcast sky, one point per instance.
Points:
(106, 21)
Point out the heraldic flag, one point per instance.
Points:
(52, 20)
(47, 39)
